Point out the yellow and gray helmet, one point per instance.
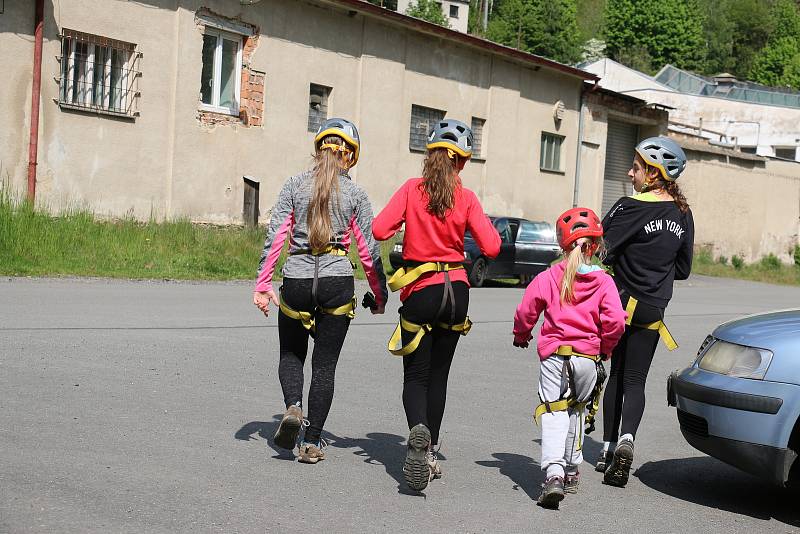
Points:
(342, 128)
(664, 154)
(453, 135)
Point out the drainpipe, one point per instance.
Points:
(580, 144)
(36, 92)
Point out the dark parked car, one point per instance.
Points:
(527, 248)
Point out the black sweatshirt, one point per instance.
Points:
(649, 244)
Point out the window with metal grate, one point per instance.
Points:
(317, 106)
(422, 121)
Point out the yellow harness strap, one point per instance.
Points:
(330, 249)
(556, 406)
(566, 350)
(403, 276)
(307, 318)
(396, 341)
(662, 329)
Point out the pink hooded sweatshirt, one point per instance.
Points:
(592, 324)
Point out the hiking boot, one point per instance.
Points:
(571, 482)
(286, 435)
(618, 470)
(603, 461)
(311, 453)
(433, 464)
(552, 493)
(415, 468)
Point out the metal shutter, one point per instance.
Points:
(621, 140)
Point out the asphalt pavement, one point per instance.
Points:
(150, 407)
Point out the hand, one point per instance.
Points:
(262, 299)
(521, 344)
(378, 311)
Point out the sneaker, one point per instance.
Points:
(311, 453)
(433, 464)
(603, 461)
(415, 468)
(571, 482)
(618, 470)
(552, 493)
(286, 435)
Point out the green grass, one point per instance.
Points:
(769, 269)
(76, 243)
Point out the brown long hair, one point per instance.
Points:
(439, 181)
(328, 165)
(670, 187)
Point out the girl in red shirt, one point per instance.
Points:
(437, 210)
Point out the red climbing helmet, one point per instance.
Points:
(576, 223)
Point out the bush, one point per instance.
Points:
(796, 255)
(704, 256)
(723, 260)
(771, 262)
(737, 262)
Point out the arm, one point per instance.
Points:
(482, 229)
(391, 217)
(683, 263)
(528, 311)
(369, 251)
(612, 318)
(618, 228)
(280, 225)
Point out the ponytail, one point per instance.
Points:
(670, 186)
(581, 254)
(327, 167)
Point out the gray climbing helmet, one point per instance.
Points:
(451, 134)
(344, 129)
(664, 154)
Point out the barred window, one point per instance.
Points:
(550, 155)
(98, 74)
(221, 76)
(422, 121)
(317, 106)
(477, 136)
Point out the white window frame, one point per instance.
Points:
(544, 164)
(217, 74)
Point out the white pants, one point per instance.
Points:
(562, 431)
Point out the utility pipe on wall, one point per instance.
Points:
(33, 147)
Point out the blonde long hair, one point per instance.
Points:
(581, 254)
(439, 173)
(328, 165)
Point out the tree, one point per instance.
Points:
(777, 63)
(429, 10)
(655, 31)
(545, 27)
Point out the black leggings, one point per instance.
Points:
(624, 398)
(425, 370)
(331, 330)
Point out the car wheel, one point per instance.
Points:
(477, 276)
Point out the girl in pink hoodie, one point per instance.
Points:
(583, 320)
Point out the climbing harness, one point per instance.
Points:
(405, 276)
(659, 326)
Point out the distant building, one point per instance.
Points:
(456, 11)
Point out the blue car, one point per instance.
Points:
(740, 400)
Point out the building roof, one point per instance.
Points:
(422, 26)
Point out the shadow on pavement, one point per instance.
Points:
(524, 472)
(709, 482)
(265, 430)
(378, 448)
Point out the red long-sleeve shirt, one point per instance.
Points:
(428, 238)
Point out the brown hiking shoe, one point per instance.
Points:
(311, 453)
(286, 435)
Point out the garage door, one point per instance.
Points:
(622, 138)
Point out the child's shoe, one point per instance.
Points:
(618, 470)
(286, 435)
(433, 464)
(603, 461)
(571, 482)
(552, 492)
(311, 453)
(415, 468)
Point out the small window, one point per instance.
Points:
(454, 12)
(785, 152)
(550, 156)
(317, 106)
(535, 232)
(98, 74)
(748, 149)
(422, 121)
(220, 78)
(477, 137)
